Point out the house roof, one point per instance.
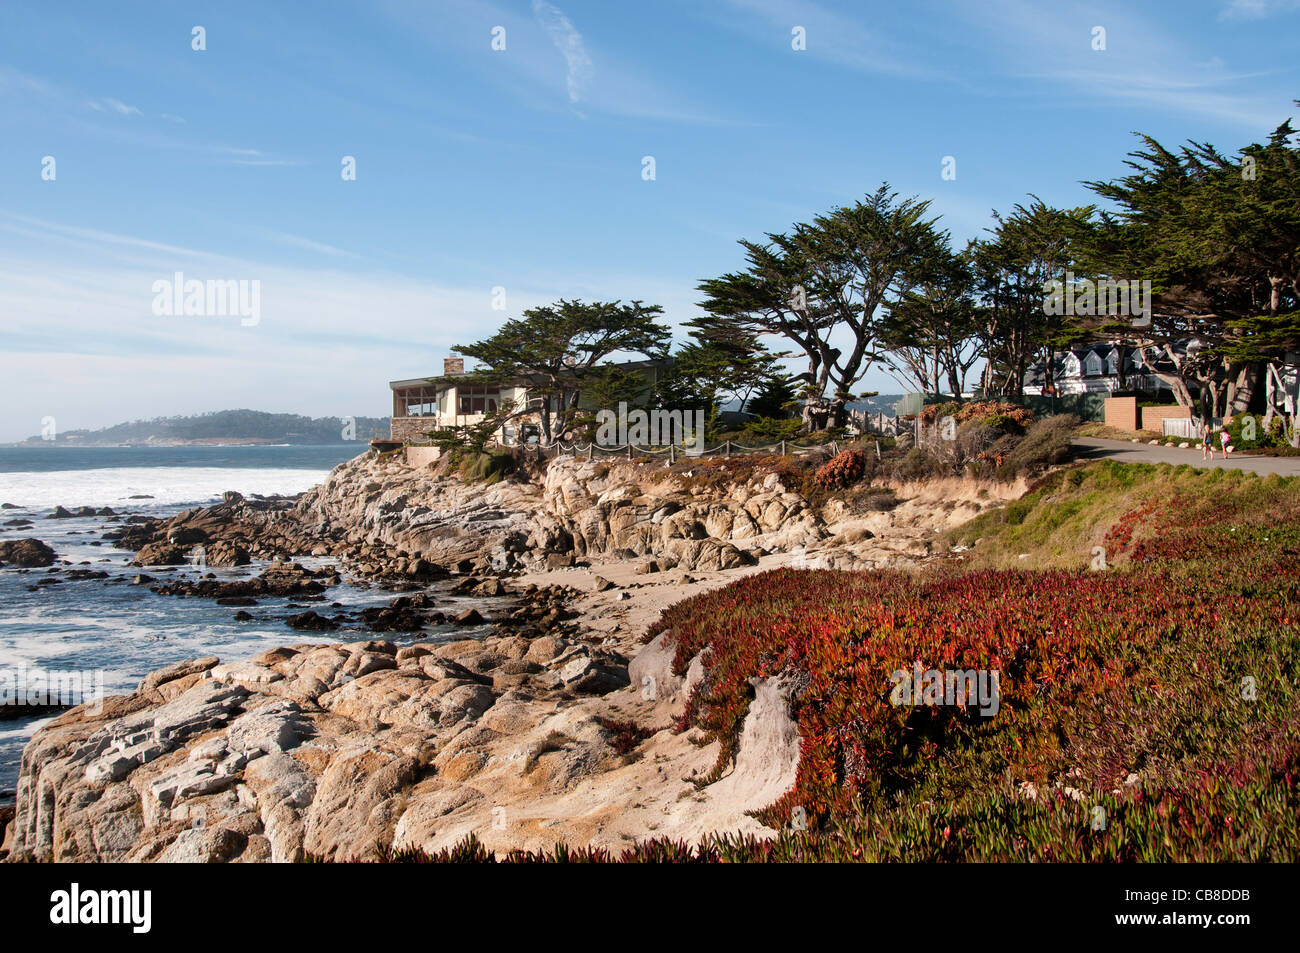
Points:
(1106, 352)
(440, 380)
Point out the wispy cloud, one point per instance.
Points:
(829, 35)
(528, 70)
(75, 301)
(569, 42)
(16, 81)
(1142, 64)
(1256, 9)
(91, 317)
(267, 162)
(253, 157)
(54, 229)
(297, 241)
(121, 108)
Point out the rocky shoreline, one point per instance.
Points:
(538, 732)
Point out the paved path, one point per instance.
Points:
(1122, 451)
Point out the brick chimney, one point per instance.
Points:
(453, 365)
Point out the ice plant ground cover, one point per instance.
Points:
(1148, 710)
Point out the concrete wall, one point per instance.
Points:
(422, 456)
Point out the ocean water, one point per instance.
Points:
(42, 477)
(111, 633)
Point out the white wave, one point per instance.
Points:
(115, 486)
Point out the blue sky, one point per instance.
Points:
(522, 168)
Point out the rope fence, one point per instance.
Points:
(673, 452)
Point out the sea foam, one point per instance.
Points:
(115, 486)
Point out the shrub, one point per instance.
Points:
(1046, 443)
(627, 735)
(844, 469)
(484, 467)
(1273, 437)
(916, 464)
(772, 430)
(991, 412)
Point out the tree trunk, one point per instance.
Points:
(836, 417)
(1244, 389)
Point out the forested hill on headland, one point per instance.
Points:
(224, 427)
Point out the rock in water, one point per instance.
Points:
(28, 553)
(226, 554)
(311, 620)
(160, 554)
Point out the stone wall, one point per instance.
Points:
(411, 429)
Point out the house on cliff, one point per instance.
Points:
(457, 399)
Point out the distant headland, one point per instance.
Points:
(222, 427)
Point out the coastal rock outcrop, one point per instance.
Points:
(343, 751)
(390, 520)
(27, 553)
(577, 510)
(530, 729)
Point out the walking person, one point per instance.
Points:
(1207, 443)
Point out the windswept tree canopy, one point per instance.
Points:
(823, 287)
(1027, 249)
(931, 333)
(1219, 239)
(557, 349)
(720, 363)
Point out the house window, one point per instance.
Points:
(416, 402)
(1092, 365)
(478, 399)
